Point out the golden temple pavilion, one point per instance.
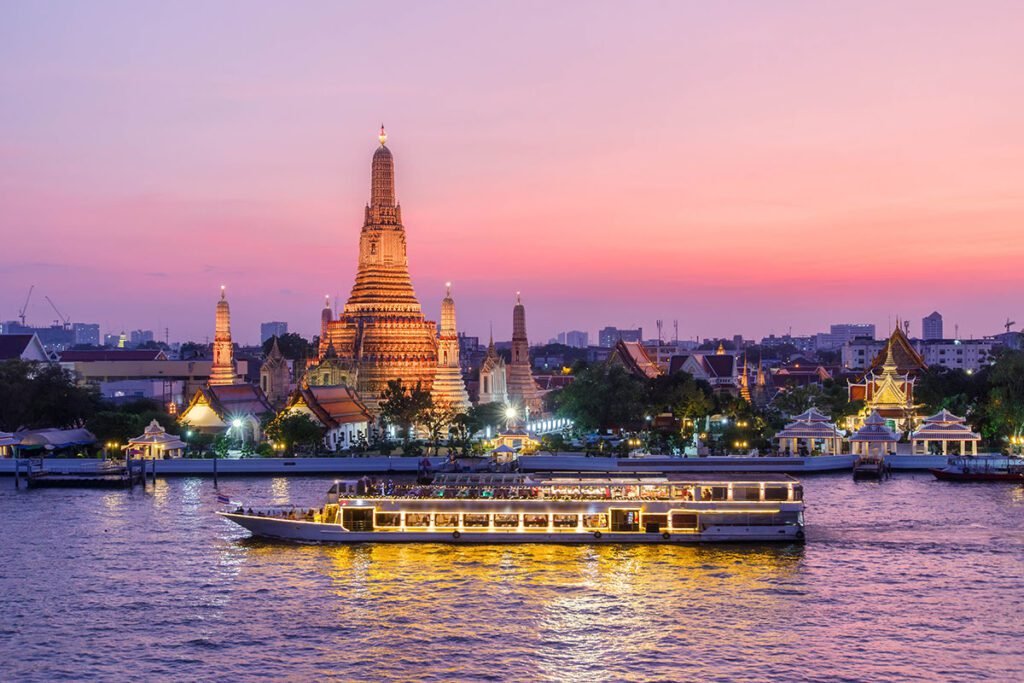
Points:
(887, 388)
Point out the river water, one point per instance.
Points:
(911, 579)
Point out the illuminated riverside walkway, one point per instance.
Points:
(568, 462)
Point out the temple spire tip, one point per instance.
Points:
(383, 136)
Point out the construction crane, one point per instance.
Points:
(64, 318)
(1008, 325)
(21, 313)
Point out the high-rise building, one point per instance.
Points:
(86, 333)
(574, 338)
(272, 329)
(840, 334)
(140, 337)
(608, 337)
(448, 386)
(522, 388)
(931, 326)
(381, 334)
(223, 370)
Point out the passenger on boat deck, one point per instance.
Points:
(250, 511)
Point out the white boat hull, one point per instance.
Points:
(312, 532)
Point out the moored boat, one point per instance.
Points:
(516, 508)
(980, 469)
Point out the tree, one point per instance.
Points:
(1005, 405)
(111, 425)
(438, 419)
(603, 397)
(293, 346)
(403, 406)
(38, 395)
(292, 428)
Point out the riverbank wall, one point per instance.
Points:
(567, 462)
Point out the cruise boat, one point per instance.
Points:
(518, 508)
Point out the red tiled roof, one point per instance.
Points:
(13, 345)
(333, 405)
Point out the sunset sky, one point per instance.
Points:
(741, 167)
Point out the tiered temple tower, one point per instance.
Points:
(223, 370)
(493, 377)
(381, 333)
(522, 388)
(274, 376)
(448, 386)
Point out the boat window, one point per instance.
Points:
(655, 523)
(446, 519)
(595, 521)
(746, 492)
(798, 492)
(504, 520)
(682, 492)
(418, 519)
(475, 519)
(625, 520)
(535, 521)
(761, 520)
(392, 519)
(564, 521)
(713, 492)
(776, 493)
(684, 520)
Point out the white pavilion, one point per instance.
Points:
(812, 432)
(946, 431)
(155, 444)
(874, 438)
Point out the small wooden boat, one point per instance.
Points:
(870, 467)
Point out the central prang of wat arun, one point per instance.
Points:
(382, 334)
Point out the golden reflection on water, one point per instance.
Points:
(280, 491)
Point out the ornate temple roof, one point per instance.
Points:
(333, 406)
(874, 429)
(812, 414)
(945, 426)
(634, 357)
(229, 400)
(155, 435)
(905, 356)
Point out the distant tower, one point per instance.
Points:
(659, 324)
(931, 326)
(223, 370)
(326, 316)
(522, 389)
(448, 386)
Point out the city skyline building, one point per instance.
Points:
(931, 326)
(272, 329)
(609, 336)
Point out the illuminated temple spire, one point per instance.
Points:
(382, 283)
(448, 385)
(223, 369)
(380, 334)
(522, 389)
